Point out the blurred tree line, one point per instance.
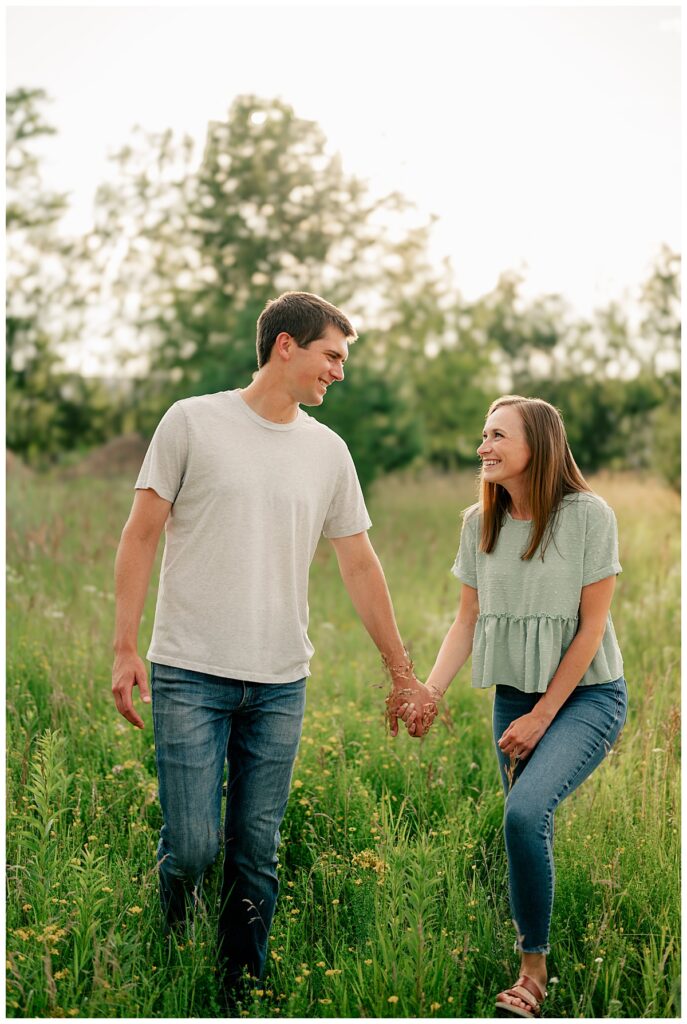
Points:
(184, 253)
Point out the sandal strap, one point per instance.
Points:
(530, 986)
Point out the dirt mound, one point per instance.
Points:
(14, 466)
(122, 456)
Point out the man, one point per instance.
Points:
(245, 483)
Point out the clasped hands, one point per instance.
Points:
(414, 703)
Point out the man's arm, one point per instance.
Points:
(364, 580)
(133, 566)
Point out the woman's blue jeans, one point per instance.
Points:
(202, 721)
(578, 739)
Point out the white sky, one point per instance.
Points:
(545, 138)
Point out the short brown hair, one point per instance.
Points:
(552, 473)
(304, 316)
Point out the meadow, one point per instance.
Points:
(393, 878)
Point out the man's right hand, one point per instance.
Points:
(129, 671)
(406, 696)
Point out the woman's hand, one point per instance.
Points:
(523, 734)
(418, 724)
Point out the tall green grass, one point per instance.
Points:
(393, 898)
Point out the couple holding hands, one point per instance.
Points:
(244, 484)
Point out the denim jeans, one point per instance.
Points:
(576, 742)
(202, 721)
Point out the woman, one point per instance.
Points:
(537, 560)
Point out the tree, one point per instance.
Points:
(48, 410)
(267, 210)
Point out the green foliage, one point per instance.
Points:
(269, 209)
(48, 410)
(369, 412)
(185, 252)
(454, 390)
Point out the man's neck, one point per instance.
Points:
(268, 399)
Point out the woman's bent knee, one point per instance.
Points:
(524, 817)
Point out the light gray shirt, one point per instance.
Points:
(528, 611)
(251, 499)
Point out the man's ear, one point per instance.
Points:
(284, 344)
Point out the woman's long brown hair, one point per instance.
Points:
(552, 473)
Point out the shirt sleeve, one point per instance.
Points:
(465, 565)
(164, 466)
(347, 513)
(600, 544)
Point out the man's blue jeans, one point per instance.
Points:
(200, 722)
(576, 742)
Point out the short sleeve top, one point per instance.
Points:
(529, 610)
(250, 500)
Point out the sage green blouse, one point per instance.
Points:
(528, 611)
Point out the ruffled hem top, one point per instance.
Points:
(529, 609)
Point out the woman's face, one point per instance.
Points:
(504, 451)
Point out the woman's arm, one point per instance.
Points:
(453, 653)
(457, 645)
(523, 734)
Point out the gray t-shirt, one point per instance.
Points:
(528, 611)
(251, 499)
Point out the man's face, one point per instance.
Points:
(315, 368)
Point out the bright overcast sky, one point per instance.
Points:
(545, 138)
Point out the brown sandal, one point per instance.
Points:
(530, 993)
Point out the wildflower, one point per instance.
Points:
(435, 1006)
(332, 971)
(335, 902)
(321, 963)
(59, 975)
(325, 1002)
(299, 979)
(368, 962)
(598, 960)
(392, 999)
(27, 906)
(297, 783)
(135, 910)
(106, 888)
